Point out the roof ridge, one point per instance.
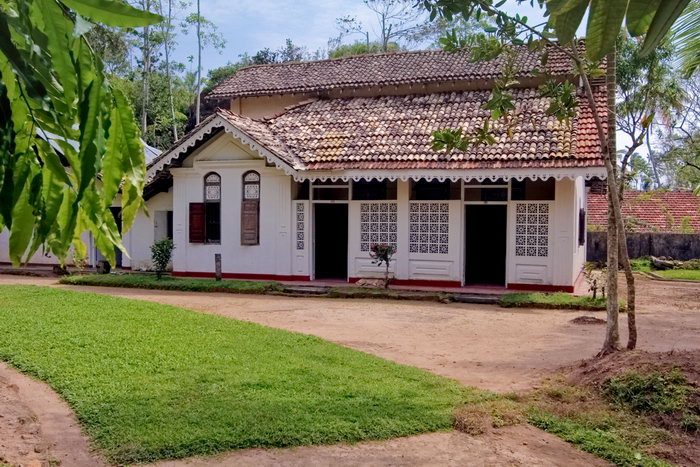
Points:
(346, 57)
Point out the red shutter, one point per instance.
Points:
(250, 222)
(197, 221)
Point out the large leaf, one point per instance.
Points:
(667, 13)
(566, 21)
(604, 23)
(639, 16)
(113, 13)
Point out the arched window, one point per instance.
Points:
(212, 207)
(250, 209)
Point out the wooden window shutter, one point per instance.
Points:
(197, 222)
(250, 222)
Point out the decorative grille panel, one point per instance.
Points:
(532, 229)
(377, 224)
(429, 228)
(300, 225)
(213, 192)
(251, 191)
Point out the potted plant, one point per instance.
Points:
(381, 254)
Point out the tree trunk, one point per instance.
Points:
(167, 68)
(615, 221)
(199, 63)
(146, 56)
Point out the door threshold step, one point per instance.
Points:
(486, 299)
(307, 290)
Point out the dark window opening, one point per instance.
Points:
(532, 190)
(300, 190)
(422, 190)
(169, 231)
(374, 190)
(212, 226)
(486, 194)
(581, 227)
(212, 208)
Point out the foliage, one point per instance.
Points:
(360, 48)
(602, 443)
(53, 84)
(149, 381)
(381, 254)
(147, 281)
(654, 392)
(161, 255)
(559, 300)
(687, 38)
(396, 22)
(649, 94)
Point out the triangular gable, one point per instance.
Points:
(248, 132)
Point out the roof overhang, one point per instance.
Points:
(454, 175)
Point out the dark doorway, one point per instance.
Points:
(117, 214)
(331, 241)
(485, 237)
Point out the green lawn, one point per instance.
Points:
(149, 281)
(686, 274)
(559, 300)
(150, 381)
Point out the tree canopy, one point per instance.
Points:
(70, 144)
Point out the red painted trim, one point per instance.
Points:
(417, 282)
(542, 287)
(126, 268)
(236, 275)
(36, 265)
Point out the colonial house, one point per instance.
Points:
(304, 166)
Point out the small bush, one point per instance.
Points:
(161, 254)
(690, 422)
(655, 392)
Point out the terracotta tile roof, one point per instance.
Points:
(650, 211)
(371, 70)
(395, 132)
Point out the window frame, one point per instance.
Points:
(246, 203)
(206, 202)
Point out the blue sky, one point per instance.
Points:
(251, 25)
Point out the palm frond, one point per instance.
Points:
(686, 37)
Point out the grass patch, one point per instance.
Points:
(601, 443)
(587, 420)
(654, 392)
(685, 274)
(150, 381)
(559, 300)
(149, 281)
(642, 264)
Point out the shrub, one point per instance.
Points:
(655, 392)
(161, 254)
(381, 253)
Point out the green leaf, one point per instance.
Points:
(639, 16)
(22, 225)
(566, 23)
(113, 13)
(666, 15)
(604, 23)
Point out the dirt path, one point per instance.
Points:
(37, 427)
(484, 346)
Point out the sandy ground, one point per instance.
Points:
(479, 345)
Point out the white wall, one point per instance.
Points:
(148, 227)
(40, 257)
(273, 256)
